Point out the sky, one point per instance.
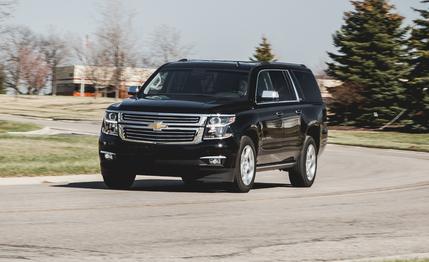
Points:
(299, 30)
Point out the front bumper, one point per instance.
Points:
(170, 160)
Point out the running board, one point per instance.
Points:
(276, 166)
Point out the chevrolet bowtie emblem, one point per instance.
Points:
(158, 126)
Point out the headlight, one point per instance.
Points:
(218, 127)
(110, 124)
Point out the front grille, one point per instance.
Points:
(162, 128)
(164, 136)
(165, 118)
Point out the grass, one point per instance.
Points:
(8, 126)
(22, 155)
(388, 140)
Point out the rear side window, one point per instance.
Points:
(275, 81)
(308, 86)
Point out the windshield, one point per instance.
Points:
(207, 82)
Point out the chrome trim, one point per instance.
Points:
(289, 76)
(199, 132)
(294, 86)
(276, 166)
(213, 157)
(218, 138)
(107, 152)
(201, 122)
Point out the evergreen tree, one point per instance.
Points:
(263, 52)
(371, 62)
(418, 90)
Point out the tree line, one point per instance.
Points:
(28, 59)
(384, 68)
(382, 64)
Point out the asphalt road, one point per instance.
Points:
(366, 204)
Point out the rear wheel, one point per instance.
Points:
(304, 172)
(115, 179)
(245, 168)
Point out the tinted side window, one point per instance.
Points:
(308, 86)
(264, 84)
(275, 81)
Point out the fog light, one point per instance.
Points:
(108, 155)
(213, 160)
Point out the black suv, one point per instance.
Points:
(217, 121)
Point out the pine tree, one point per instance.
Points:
(418, 91)
(371, 63)
(263, 52)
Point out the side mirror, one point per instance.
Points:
(270, 95)
(133, 90)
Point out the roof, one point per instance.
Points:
(230, 64)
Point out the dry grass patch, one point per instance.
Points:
(55, 107)
(388, 140)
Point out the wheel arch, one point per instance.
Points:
(314, 131)
(254, 134)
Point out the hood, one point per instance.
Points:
(183, 104)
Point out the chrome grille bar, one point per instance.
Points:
(172, 119)
(179, 128)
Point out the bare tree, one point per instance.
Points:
(6, 7)
(55, 52)
(26, 70)
(166, 45)
(2, 77)
(34, 70)
(15, 45)
(98, 69)
(115, 40)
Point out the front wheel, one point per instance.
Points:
(304, 172)
(245, 168)
(115, 179)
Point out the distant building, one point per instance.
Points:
(78, 80)
(326, 82)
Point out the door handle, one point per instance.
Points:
(279, 114)
(298, 111)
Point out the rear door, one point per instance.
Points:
(279, 118)
(292, 119)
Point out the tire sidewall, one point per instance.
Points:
(308, 141)
(238, 181)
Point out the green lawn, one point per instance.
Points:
(45, 155)
(392, 140)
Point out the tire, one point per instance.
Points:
(245, 166)
(118, 180)
(298, 175)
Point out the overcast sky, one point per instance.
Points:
(300, 30)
